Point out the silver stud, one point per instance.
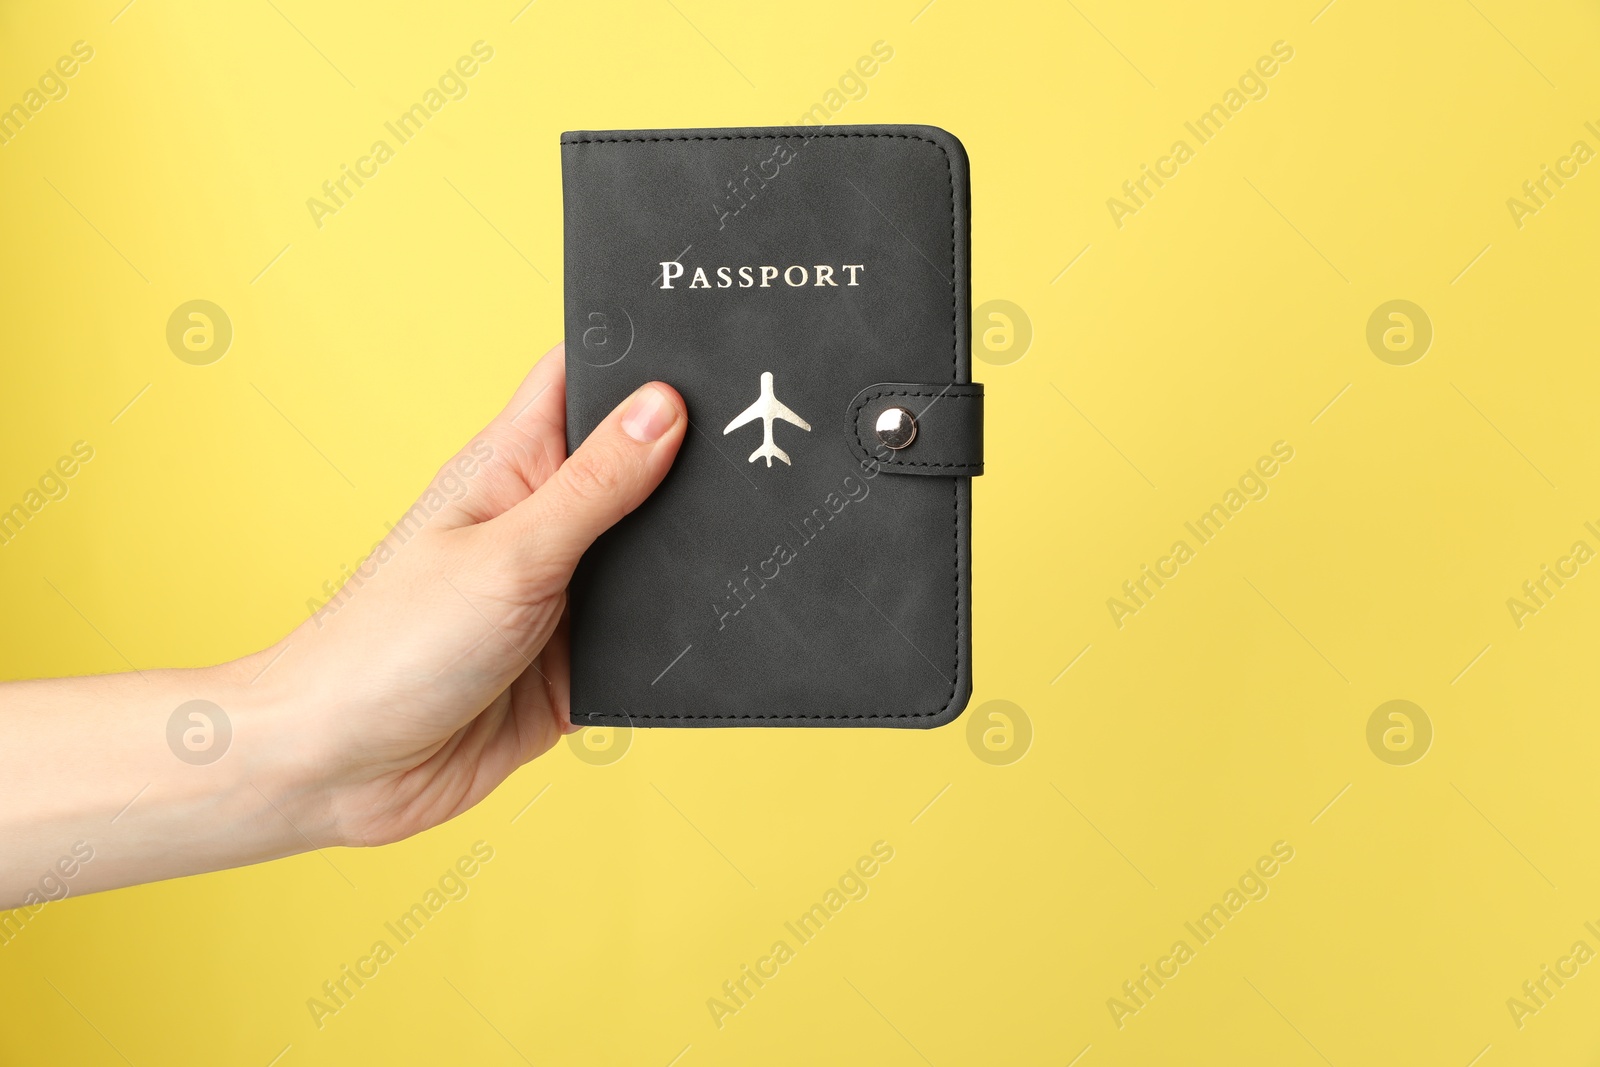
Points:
(896, 428)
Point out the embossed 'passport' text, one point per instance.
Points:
(795, 276)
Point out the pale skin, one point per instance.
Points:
(443, 672)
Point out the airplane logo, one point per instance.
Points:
(766, 408)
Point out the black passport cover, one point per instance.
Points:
(830, 590)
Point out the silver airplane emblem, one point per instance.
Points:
(766, 408)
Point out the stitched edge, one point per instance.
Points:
(955, 357)
(646, 721)
(772, 137)
(891, 464)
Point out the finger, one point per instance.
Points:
(539, 403)
(556, 661)
(516, 451)
(610, 474)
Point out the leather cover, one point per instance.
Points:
(833, 589)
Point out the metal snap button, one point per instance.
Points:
(896, 428)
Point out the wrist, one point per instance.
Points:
(278, 773)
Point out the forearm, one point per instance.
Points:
(93, 795)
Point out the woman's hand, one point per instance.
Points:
(442, 665)
(438, 669)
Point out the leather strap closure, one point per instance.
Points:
(949, 428)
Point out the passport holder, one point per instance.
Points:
(807, 562)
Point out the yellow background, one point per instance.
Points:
(1225, 716)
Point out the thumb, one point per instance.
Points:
(610, 474)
